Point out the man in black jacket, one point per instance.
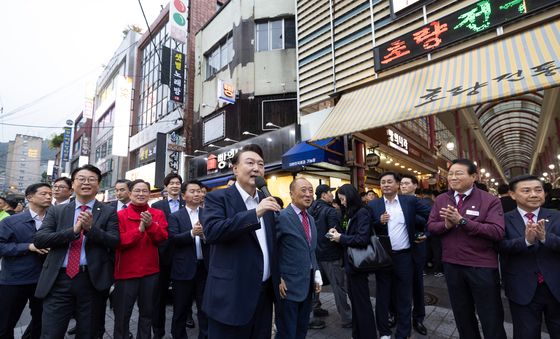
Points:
(329, 253)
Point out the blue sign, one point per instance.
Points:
(66, 144)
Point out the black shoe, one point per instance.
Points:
(347, 325)
(72, 331)
(130, 335)
(317, 324)
(190, 322)
(392, 321)
(320, 312)
(419, 327)
(158, 333)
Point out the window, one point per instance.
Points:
(219, 57)
(276, 34)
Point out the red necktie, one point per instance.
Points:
(540, 277)
(460, 202)
(73, 265)
(306, 229)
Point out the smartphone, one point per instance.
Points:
(419, 235)
(329, 235)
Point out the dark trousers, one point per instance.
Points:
(184, 291)
(434, 252)
(527, 319)
(336, 275)
(100, 306)
(14, 298)
(419, 260)
(160, 300)
(69, 298)
(292, 317)
(363, 319)
(260, 325)
(475, 289)
(126, 293)
(400, 279)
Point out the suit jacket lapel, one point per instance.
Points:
(518, 223)
(69, 210)
(297, 221)
(96, 212)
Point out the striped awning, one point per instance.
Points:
(522, 63)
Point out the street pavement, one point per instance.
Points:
(439, 318)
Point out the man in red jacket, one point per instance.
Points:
(470, 223)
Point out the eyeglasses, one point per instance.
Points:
(140, 191)
(60, 187)
(90, 180)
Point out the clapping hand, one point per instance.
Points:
(145, 221)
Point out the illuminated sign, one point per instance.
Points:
(177, 76)
(220, 162)
(66, 144)
(397, 141)
(226, 92)
(179, 20)
(458, 26)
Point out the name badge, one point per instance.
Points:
(471, 212)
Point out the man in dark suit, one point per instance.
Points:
(508, 204)
(22, 262)
(171, 204)
(190, 261)
(530, 257)
(470, 222)
(396, 215)
(81, 236)
(122, 193)
(296, 240)
(239, 226)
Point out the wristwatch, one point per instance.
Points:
(462, 222)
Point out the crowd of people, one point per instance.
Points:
(249, 264)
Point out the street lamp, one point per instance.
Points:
(230, 140)
(450, 146)
(551, 166)
(212, 145)
(249, 133)
(199, 151)
(269, 124)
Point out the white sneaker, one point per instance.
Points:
(385, 337)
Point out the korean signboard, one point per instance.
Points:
(177, 76)
(463, 24)
(121, 116)
(221, 161)
(226, 92)
(66, 144)
(179, 20)
(397, 141)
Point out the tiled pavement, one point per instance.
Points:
(439, 319)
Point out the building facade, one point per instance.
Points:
(23, 166)
(111, 114)
(162, 102)
(81, 145)
(245, 86)
(419, 83)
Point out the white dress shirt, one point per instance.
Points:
(120, 205)
(526, 220)
(467, 193)
(398, 233)
(251, 203)
(38, 219)
(193, 215)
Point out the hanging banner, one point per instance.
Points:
(177, 76)
(66, 144)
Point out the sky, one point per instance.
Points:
(49, 50)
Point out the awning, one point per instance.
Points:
(328, 150)
(519, 64)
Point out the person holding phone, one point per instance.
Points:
(141, 228)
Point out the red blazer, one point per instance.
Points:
(137, 254)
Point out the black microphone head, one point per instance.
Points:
(260, 182)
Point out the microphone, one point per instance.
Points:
(261, 185)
